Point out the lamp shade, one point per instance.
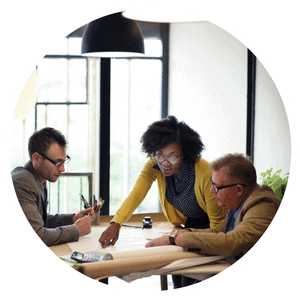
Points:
(112, 36)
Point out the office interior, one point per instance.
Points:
(195, 71)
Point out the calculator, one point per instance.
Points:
(90, 257)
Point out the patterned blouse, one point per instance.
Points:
(180, 192)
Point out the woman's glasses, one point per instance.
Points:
(172, 159)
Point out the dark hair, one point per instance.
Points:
(166, 131)
(40, 140)
(240, 168)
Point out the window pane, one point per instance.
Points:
(145, 108)
(77, 80)
(64, 194)
(119, 132)
(72, 121)
(135, 104)
(55, 116)
(62, 80)
(78, 138)
(52, 80)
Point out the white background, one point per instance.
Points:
(28, 31)
(208, 90)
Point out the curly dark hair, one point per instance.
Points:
(166, 131)
(40, 140)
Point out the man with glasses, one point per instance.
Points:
(251, 208)
(47, 151)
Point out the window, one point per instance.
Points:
(62, 80)
(137, 100)
(135, 104)
(68, 100)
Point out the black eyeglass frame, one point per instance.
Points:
(217, 188)
(56, 163)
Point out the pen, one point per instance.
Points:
(139, 227)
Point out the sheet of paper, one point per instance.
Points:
(129, 239)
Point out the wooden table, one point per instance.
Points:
(132, 239)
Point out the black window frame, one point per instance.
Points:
(161, 29)
(105, 90)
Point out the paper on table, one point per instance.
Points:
(134, 264)
(174, 266)
(130, 239)
(147, 252)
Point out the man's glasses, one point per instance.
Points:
(57, 163)
(172, 160)
(217, 188)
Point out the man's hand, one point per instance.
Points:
(110, 235)
(83, 225)
(164, 240)
(161, 241)
(87, 212)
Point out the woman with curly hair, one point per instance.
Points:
(183, 178)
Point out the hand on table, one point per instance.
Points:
(164, 240)
(90, 212)
(110, 235)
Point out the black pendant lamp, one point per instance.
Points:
(112, 36)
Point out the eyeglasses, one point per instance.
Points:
(217, 188)
(57, 163)
(172, 159)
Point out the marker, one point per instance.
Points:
(86, 205)
(102, 203)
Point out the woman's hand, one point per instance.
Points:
(110, 235)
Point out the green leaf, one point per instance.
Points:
(275, 181)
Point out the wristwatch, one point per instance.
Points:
(172, 237)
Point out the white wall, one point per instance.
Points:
(208, 90)
(272, 135)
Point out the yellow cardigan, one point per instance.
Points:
(148, 175)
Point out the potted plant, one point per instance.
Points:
(275, 181)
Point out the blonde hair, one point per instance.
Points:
(240, 168)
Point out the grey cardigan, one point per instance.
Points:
(52, 229)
